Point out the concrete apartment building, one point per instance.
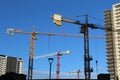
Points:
(112, 20)
(10, 64)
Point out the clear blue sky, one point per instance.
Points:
(23, 14)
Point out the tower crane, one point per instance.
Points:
(58, 19)
(58, 54)
(78, 73)
(11, 31)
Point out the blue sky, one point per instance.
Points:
(24, 14)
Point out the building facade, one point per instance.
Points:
(10, 64)
(112, 21)
(3, 62)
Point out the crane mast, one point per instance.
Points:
(58, 65)
(87, 58)
(31, 56)
(84, 30)
(30, 67)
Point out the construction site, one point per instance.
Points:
(61, 44)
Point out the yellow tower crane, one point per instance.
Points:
(11, 31)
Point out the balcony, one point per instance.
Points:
(109, 36)
(109, 54)
(110, 66)
(107, 22)
(108, 45)
(107, 17)
(107, 12)
(110, 62)
(110, 58)
(117, 6)
(109, 40)
(110, 70)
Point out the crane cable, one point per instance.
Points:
(48, 43)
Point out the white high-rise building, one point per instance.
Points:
(112, 20)
(3, 62)
(10, 64)
(19, 68)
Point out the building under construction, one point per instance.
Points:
(112, 20)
